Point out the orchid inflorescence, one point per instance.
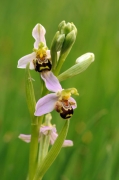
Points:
(48, 64)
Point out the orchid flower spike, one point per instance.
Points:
(49, 130)
(60, 100)
(39, 59)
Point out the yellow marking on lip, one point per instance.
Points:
(44, 67)
(69, 115)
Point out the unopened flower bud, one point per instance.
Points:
(61, 25)
(85, 58)
(60, 41)
(69, 32)
(56, 46)
(57, 41)
(66, 28)
(69, 40)
(81, 65)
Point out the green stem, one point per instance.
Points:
(40, 119)
(33, 149)
(59, 64)
(35, 124)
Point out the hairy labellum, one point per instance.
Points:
(42, 65)
(65, 109)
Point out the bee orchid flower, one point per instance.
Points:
(60, 100)
(40, 57)
(47, 130)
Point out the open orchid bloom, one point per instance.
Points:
(39, 59)
(60, 100)
(47, 130)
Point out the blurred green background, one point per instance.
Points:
(94, 128)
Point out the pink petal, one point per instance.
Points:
(72, 100)
(26, 138)
(67, 143)
(39, 35)
(22, 63)
(53, 137)
(46, 104)
(51, 81)
(45, 129)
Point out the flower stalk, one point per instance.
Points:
(33, 150)
(34, 125)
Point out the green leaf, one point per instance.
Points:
(53, 153)
(30, 97)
